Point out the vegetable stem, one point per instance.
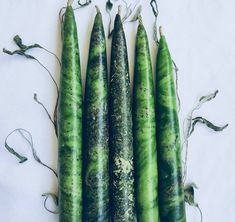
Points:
(119, 10)
(97, 8)
(161, 31)
(70, 2)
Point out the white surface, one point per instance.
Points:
(201, 39)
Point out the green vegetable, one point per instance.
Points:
(121, 140)
(171, 191)
(144, 131)
(96, 146)
(70, 125)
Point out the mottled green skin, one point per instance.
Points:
(144, 131)
(70, 126)
(121, 139)
(171, 193)
(96, 147)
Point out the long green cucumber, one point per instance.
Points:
(96, 147)
(121, 139)
(144, 131)
(171, 192)
(70, 125)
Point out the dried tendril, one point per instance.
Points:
(210, 125)
(131, 13)
(189, 191)
(155, 11)
(52, 120)
(109, 7)
(55, 199)
(27, 136)
(190, 122)
(62, 11)
(86, 3)
(176, 69)
(23, 51)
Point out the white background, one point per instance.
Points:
(201, 38)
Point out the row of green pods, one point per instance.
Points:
(118, 159)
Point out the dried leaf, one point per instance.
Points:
(109, 5)
(189, 119)
(18, 52)
(23, 47)
(209, 97)
(88, 2)
(188, 124)
(207, 123)
(22, 52)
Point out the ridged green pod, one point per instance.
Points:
(70, 125)
(144, 131)
(121, 139)
(96, 147)
(171, 192)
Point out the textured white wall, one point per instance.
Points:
(201, 39)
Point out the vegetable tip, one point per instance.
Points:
(161, 31)
(97, 8)
(119, 10)
(140, 19)
(70, 2)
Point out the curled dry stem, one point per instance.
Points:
(190, 122)
(54, 197)
(131, 13)
(189, 197)
(155, 11)
(27, 136)
(23, 52)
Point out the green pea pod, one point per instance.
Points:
(70, 125)
(96, 147)
(144, 131)
(171, 192)
(121, 139)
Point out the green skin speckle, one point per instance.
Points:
(96, 147)
(144, 131)
(171, 192)
(70, 126)
(121, 139)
